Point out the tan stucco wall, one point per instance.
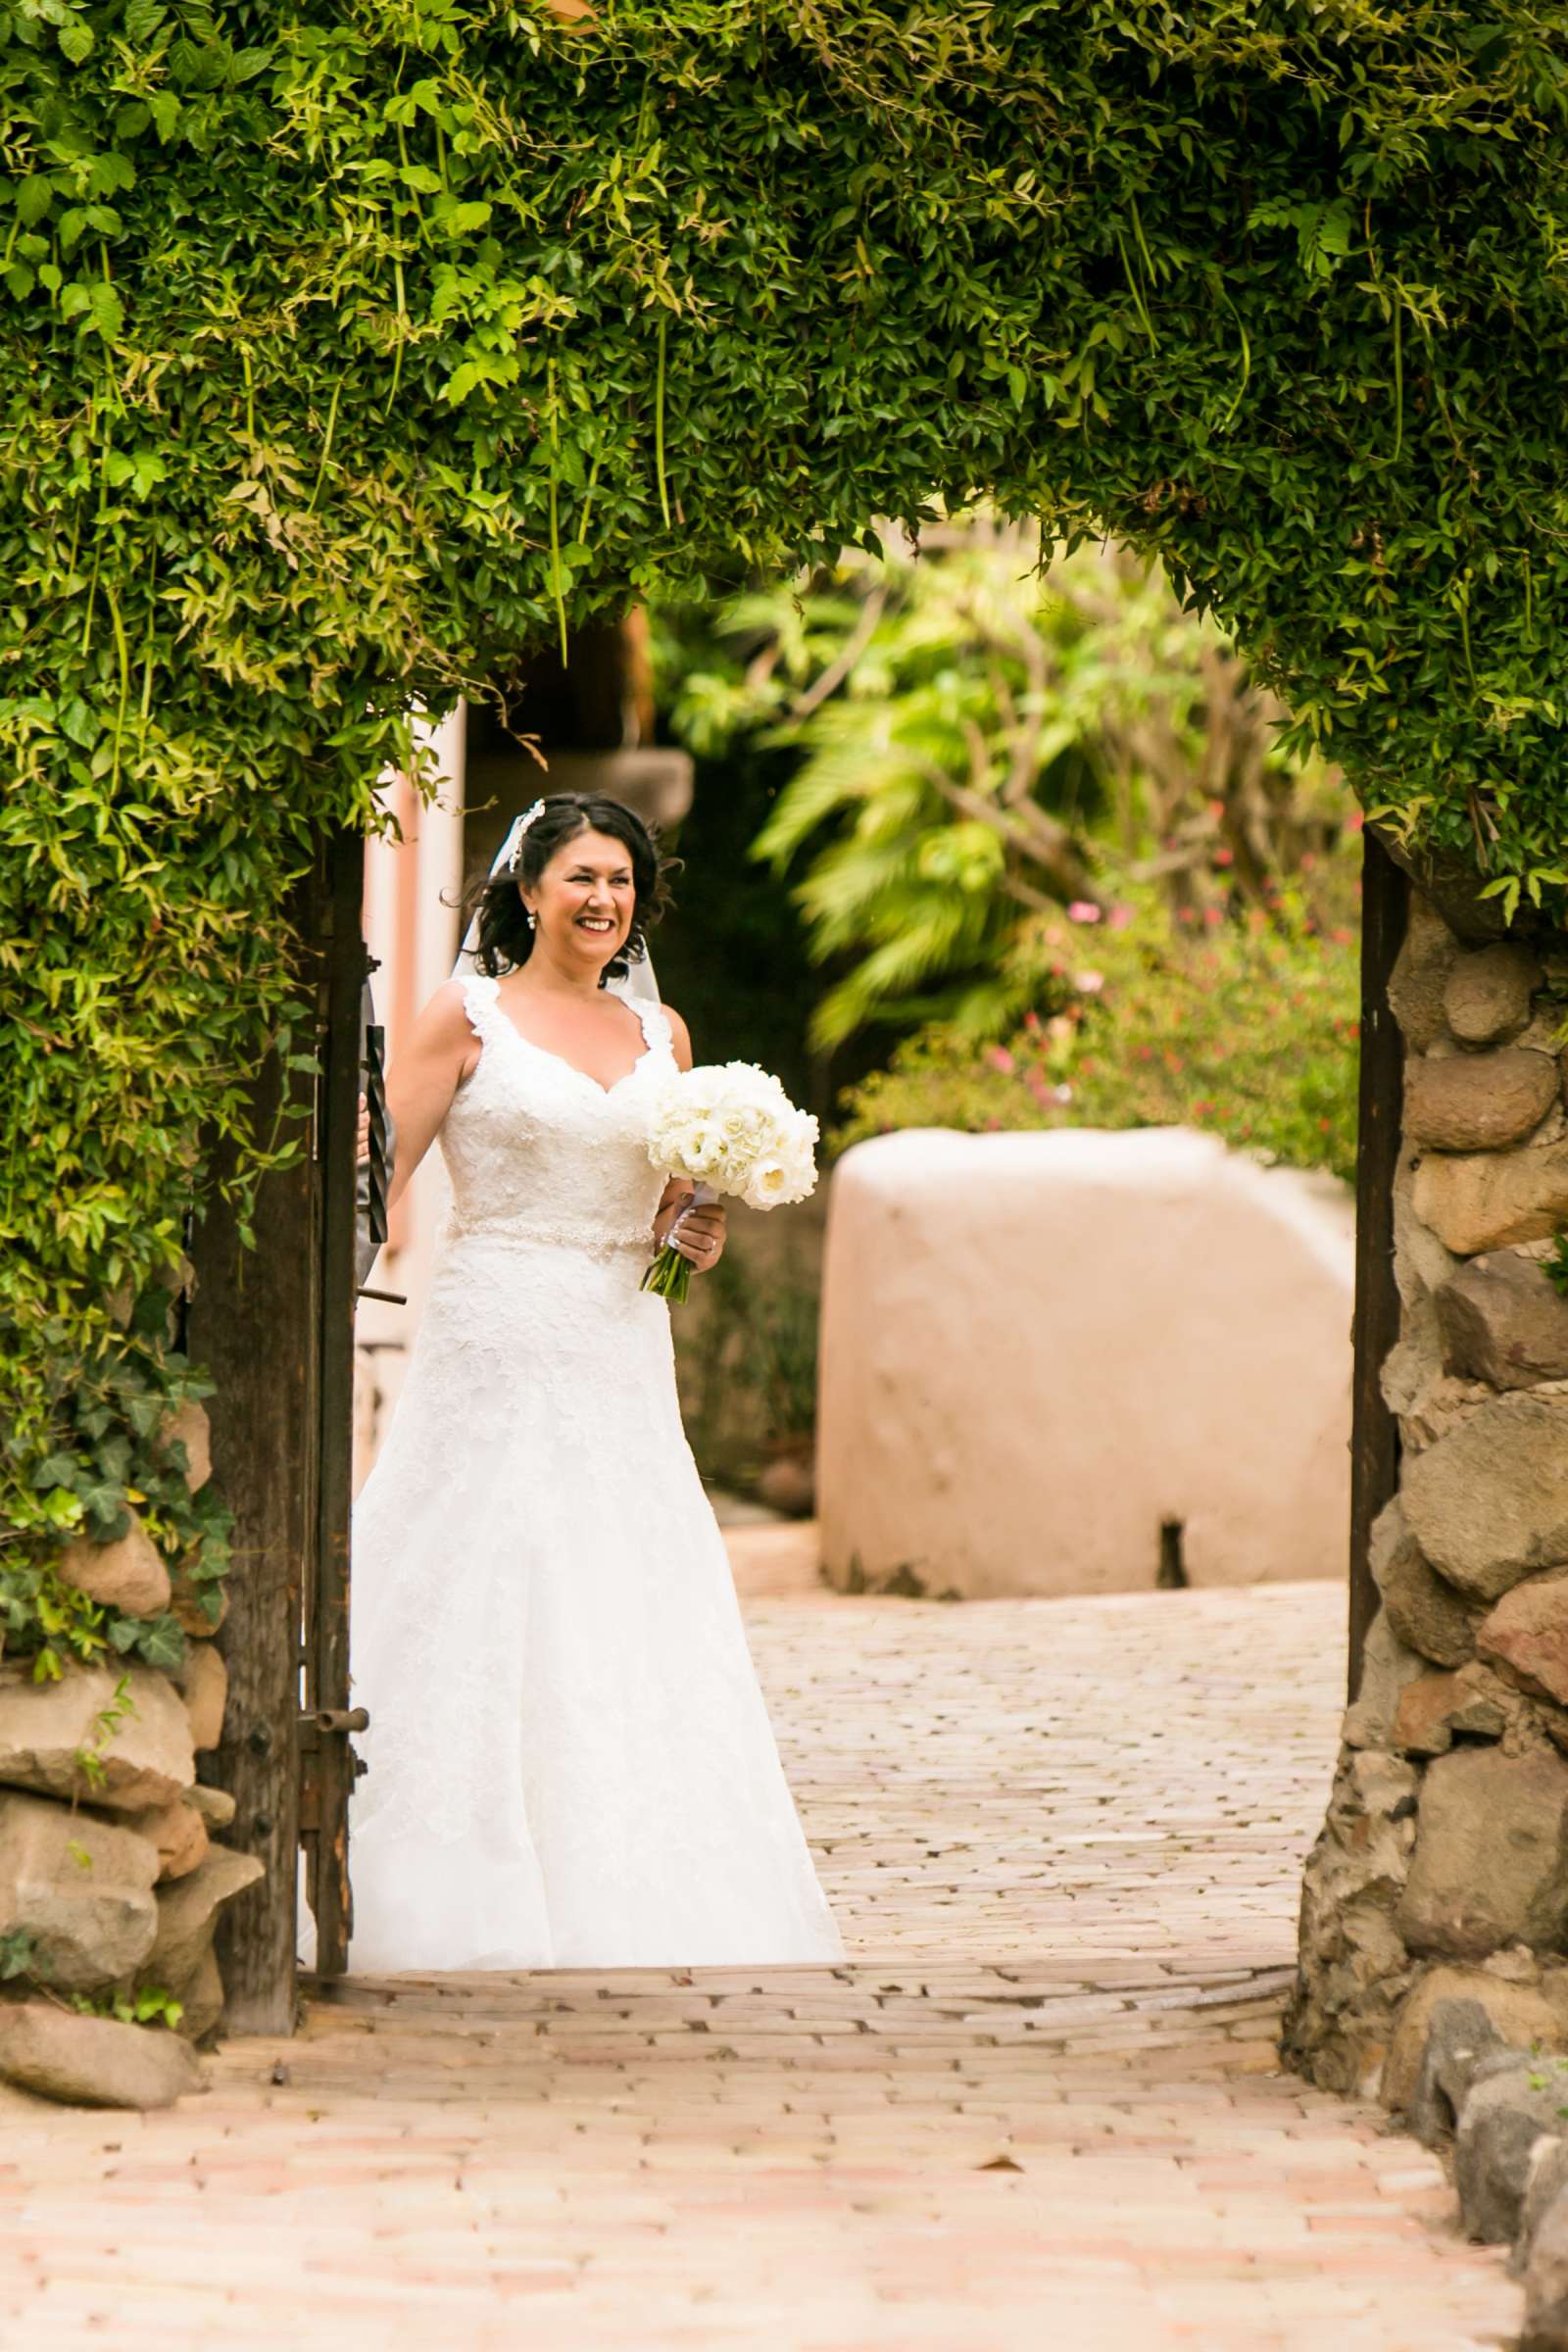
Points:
(1037, 1347)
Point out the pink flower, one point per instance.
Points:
(1212, 915)
(1224, 856)
(1083, 911)
(1121, 918)
(1088, 984)
(1001, 1059)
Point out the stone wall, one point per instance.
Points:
(1443, 1866)
(110, 1880)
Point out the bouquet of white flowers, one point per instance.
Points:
(731, 1128)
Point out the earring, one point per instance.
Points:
(533, 920)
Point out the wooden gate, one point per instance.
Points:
(1374, 1431)
(274, 1326)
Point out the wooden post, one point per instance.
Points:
(330, 1758)
(274, 1326)
(1373, 1432)
(251, 1327)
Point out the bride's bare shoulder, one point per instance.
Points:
(445, 1024)
(447, 1008)
(680, 1036)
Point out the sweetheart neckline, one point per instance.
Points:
(571, 1067)
(488, 989)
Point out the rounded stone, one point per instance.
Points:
(1420, 975)
(189, 1427)
(1488, 1504)
(93, 2061)
(1527, 1636)
(141, 1752)
(78, 1886)
(1487, 1000)
(1426, 1614)
(203, 1683)
(1477, 1101)
(1503, 1321)
(1476, 1200)
(180, 1834)
(1438, 1708)
(1520, 2014)
(187, 1916)
(128, 1574)
(1491, 1860)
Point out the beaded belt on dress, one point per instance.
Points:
(538, 1233)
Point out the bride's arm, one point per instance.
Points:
(440, 1052)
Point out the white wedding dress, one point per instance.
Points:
(571, 1761)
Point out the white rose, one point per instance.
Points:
(769, 1183)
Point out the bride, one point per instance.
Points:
(571, 1762)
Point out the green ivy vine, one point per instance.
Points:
(351, 347)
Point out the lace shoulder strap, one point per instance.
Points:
(655, 1023)
(480, 1002)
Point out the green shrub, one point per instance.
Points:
(1245, 1028)
(746, 1350)
(976, 732)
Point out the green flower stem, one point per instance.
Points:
(669, 1276)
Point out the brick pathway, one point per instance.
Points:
(1038, 2109)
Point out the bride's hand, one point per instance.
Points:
(700, 1236)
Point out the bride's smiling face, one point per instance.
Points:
(585, 899)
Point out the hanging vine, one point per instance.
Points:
(335, 342)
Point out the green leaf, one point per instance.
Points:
(79, 722)
(461, 220)
(60, 1470)
(162, 1643)
(32, 196)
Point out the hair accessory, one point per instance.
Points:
(518, 830)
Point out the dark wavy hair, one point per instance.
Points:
(505, 941)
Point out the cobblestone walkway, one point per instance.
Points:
(1039, 2107)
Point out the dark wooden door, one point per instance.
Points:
(326, 1759)
(274, 1326)
(1374, 1431)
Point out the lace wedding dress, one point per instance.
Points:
(571, 1762)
